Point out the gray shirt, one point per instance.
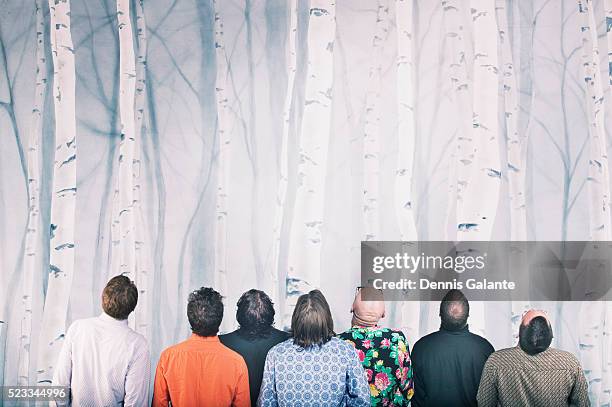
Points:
(513, 378)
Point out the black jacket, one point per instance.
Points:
(254, 351)
(447, 366)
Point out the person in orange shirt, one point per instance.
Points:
(201, 371)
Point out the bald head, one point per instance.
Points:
(368, 307)
(454, 310)
(535, 332)
(531, 314)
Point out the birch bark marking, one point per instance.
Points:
(223, 158)
(371, 135)
(592, 326)
(410, 311)
(31, 259)
(142, 264)
(63, 198)
(304, 258)
(283, 181)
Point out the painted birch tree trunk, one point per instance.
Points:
(304, 257)
(281, 194)
(371, 135)
(63, 198)
(223, 158)
(592, 323)
(517, 160)
(606, 386)
(124, 187)
(31, 260)
(142, 255)
(478, 194)
(410, 310)
(463, 154)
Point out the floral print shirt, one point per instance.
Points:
(385, 356)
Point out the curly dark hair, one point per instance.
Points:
(205, 311)
(312, 323)
(255, 313)
(119, 297)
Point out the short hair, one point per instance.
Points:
(119, 297)
(536, 336)
(312, 323)
(454, 310)
(255, 313)
(205, 311)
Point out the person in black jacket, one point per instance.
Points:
(255, 336)
(447, 364)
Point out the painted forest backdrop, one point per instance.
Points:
(252, 143)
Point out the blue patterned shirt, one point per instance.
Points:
(330, 375)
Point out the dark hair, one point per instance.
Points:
(536, 336)
(119, 297)
(205, 311)
(312, 323)
(454, 310)
(255, 313)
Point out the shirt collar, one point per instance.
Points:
(107, 318)
(196, 337)
(463, 330)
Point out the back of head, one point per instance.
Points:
(535, 336)
(255, 313)
(119, 297)
(205, 311)
(454, 310)
(368, 307)
(311, 323)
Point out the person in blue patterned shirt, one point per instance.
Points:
(313, 368)
(383, 352)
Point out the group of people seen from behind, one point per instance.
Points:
(106, 363)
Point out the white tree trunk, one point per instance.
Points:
(30, 258)
(462, 157)
(281, 193)
(371, 135)
(410, 310)
(304, 258)
(223, 158)
(478, 194)
(598, 182)
(517, 160)
(63, 196)
(124, 245)
(142, 256)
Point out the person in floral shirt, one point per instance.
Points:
(383, 352)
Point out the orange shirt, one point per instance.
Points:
(201, 372)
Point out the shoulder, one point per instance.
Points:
(280, 335)
(566, 359)
(341, 346)
(482, 342)
(280, 348)
(231, 355)
(502, 356)
(426, 341)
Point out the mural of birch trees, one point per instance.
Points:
(474, 120)
(304, 257)
(64, 191)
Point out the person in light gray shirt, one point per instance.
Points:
(104, 361)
